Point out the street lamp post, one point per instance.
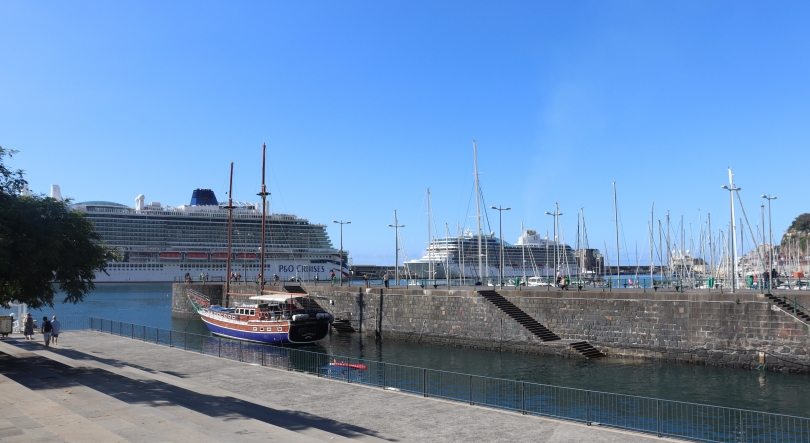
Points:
(556, 216)
(340, 271)
(731, 188)
(769, 197)
(500, 210)
(396, 227)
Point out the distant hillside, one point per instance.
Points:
(799, 229)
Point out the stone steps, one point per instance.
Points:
(342, 326)
(519, 316)
(543, 333)
(788, 307)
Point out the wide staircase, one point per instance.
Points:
(791, 307)
(533, 326)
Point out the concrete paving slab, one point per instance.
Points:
(303, 404)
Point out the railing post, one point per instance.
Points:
(264, 354)
(132, 331)
(471, 397)
(144, 333)
(588, 408)
(171, 342)
(240, 350)
(157, 335)
(219, 353)
(185, 340)
(523, 395)
(424, 382)
(383, 377)
(658, 415)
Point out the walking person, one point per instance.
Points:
(365, 279)
(57, 326)
(28, 326)
(47, 329)
(333, 278)
(385, 280)
(317, 279)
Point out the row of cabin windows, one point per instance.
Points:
(241, 311)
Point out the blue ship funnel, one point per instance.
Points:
(203, 197)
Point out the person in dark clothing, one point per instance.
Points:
(47, 329)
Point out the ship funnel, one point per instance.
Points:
(56, 193)
(139, 202)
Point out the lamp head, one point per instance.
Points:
(348, 223)
(724, 187)
(507, 209)
(493, 207)
(335, 221)
(548, 213)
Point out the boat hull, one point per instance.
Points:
(282, 332)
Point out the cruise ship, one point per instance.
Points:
(157, 243)
(532, 256)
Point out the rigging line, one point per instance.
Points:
(749, 225)
(624, 239)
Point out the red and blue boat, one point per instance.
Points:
(273, 319)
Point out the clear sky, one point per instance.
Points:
(364, 105)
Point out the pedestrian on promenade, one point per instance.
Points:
(333, 278)
(385, 280)
(365, 279)
(317, 279)
(47, 329)
(206, 276)
(28, 326)
(56, 328)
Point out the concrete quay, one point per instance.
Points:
(98, 387)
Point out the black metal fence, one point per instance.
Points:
(659, 417)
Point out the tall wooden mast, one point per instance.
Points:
(263, 195)
(230, 231)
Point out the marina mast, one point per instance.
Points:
(230, 232)
(477, 205)
(263, 195)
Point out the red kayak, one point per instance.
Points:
(349, 365)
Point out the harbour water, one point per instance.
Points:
(150, 304)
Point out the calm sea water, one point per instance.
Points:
(150, 304)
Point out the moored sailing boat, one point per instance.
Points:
(274, 318)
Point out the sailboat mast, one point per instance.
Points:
(649, 228)
(230, 232)
(477, 205)
(263, 195)
(616, 215)
(430, 258)
(523, 243)
(447, 253)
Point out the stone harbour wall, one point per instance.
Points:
(735, 330)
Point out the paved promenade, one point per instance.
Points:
(97, 387)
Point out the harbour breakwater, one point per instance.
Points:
(744, 330)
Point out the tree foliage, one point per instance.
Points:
(801, 224)
(43, 245)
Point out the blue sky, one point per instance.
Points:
(364, 105)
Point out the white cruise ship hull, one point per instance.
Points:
(171, 272)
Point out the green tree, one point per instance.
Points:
(801, 224)
(43, 246)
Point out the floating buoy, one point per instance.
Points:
(349, 365)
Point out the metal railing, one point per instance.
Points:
(659, 417)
